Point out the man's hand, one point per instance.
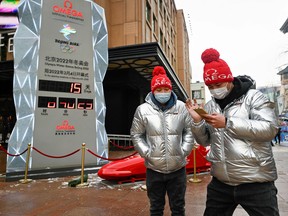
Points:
(190, 107)
(216, 120)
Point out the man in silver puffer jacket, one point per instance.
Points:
(161, 134)
(239, 127)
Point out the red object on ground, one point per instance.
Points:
(132, 169)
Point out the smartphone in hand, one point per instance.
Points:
(200, 111)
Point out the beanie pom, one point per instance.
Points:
(160, 79)
(215, 70)
(210, 55)
(158, 70)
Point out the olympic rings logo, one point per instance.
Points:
(65, 48)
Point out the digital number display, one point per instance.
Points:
(65, 103)
(47, 102)
(59, 86)
(86, 104)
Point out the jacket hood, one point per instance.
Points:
(247, 81)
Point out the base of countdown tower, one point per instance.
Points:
(50, 173)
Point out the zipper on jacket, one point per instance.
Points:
(165, 136)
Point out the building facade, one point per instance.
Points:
(141, 35)
(198, 92)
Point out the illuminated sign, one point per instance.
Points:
(58, 86)
(8, 14)
(9, 6)
(6, 45)
(65, 103)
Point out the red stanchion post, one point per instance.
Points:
(25, 180)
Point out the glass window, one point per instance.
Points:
(148, 12)
(154, 24)
(196, 94)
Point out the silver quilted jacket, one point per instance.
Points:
(241, 152)
(163, 138)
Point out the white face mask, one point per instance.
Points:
(220, 93)
(162, 97)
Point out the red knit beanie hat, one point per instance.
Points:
(216, 70)
(159, 79)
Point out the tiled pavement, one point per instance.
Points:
(53, 197)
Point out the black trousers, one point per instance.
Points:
(258, 199)
(174, 184)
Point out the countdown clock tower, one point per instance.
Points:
(60, 57)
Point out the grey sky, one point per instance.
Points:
(245, 32)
